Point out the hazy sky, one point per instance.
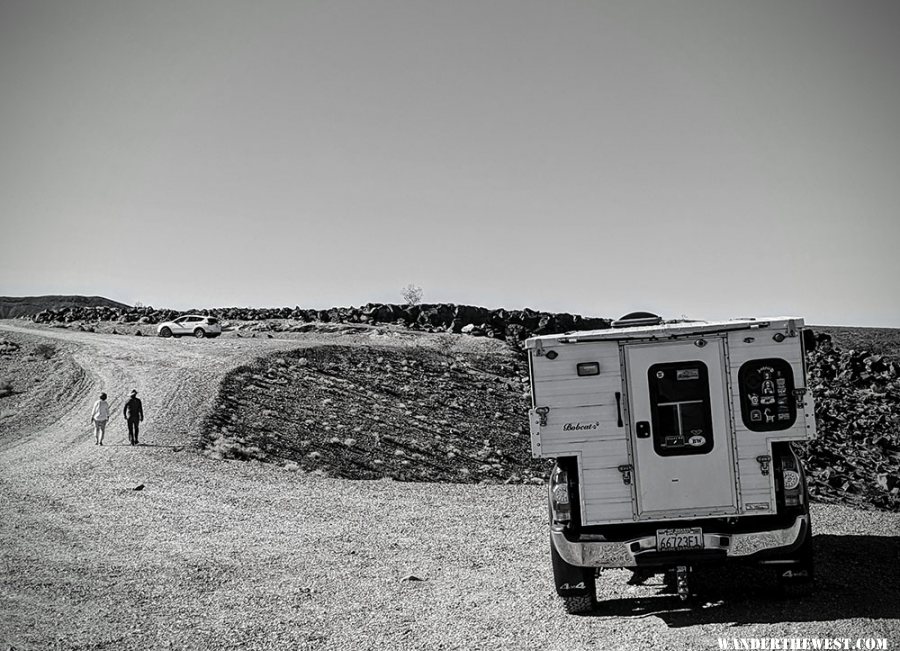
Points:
(709, 159)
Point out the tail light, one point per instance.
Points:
(560, 505)
(792, 481)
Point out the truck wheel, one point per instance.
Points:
(577, 586)
(579, 605)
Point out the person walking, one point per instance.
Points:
(134, 415)
(99, 416)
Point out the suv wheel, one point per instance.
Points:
(165, 332)
(199, 333)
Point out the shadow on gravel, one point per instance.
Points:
(173, 448)
(856, 576)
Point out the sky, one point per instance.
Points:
(703, 159)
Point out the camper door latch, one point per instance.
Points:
(626, 471)
(764, 460)
(542, 413)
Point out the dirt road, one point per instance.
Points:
(242, 555)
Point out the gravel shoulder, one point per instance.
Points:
(247, 555)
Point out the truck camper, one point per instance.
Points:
(671, 448)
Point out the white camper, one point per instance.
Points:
(671, 444)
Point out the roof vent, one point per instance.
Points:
(633, 319)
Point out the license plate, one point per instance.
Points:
(676, 540)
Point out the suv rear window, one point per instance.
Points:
(211, 321)
(679, 403)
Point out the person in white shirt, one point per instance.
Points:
(99, 416)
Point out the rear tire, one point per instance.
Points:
(580, 605)
(165, 332)
(199, 333)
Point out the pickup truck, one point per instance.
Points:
(671, 448)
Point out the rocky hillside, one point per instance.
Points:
(412, 414)
(12, 307)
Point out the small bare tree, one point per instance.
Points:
(412, 295)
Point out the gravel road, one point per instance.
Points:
(242, 555)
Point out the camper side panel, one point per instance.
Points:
(757, 486)
(581, 419)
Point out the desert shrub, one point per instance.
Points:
(6, 388)
(45, 350)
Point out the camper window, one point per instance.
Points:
(680, 407)
(767, 395)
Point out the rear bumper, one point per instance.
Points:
(717, 547)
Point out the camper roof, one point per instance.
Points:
(670, 329)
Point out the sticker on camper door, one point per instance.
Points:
(697, 441)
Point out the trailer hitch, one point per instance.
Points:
(681, 581)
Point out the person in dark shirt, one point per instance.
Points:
(134, 415)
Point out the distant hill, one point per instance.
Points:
(16, 306)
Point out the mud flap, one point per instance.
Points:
(572, 581)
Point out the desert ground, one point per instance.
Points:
(174, 545)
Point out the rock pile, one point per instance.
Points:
(856, 458)
(510, 325)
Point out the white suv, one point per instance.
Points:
(190, 324)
